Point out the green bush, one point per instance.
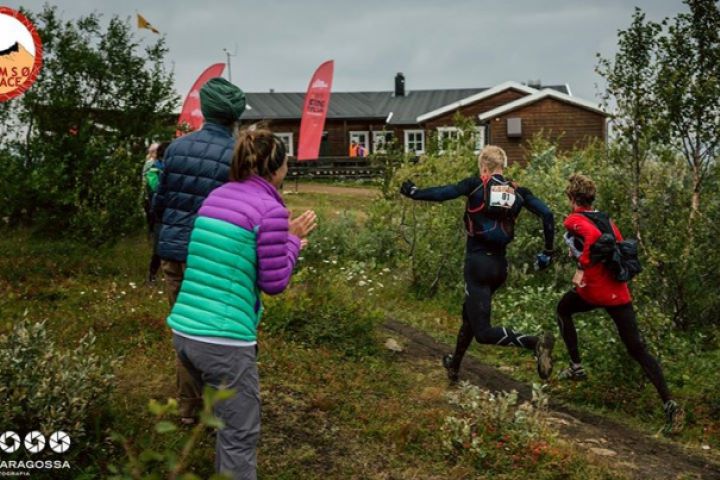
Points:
(349, 237)
(322, 310)
(154, 463)
(494, 431)
(111, 205)
(47, 389)
(432, 235)
(72, 150)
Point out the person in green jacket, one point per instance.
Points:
(152, 169)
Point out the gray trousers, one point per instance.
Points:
(221, 366)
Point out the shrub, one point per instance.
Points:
(322, 310)
(71, 150)
(47, 389)
(494, 430)
(432, 235)
(168, 463)
(349, 237)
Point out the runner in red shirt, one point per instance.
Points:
(596, 287)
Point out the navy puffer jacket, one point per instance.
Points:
(195, 165)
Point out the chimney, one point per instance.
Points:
(399, 85)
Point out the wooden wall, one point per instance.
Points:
(570, 125)
(574, 126)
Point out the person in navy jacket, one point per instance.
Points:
(194, 166)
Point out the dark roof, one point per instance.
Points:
(362, 105)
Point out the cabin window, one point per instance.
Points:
(415, 141)
(287, 139)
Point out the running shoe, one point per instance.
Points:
(543, 354)
(573, 372)
(452, 370)
(674, 418)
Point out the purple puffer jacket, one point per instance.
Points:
(239, 245)
(255, 205)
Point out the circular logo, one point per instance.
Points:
(9, 442)
(20, 53)
(60, 442)
(34, 442)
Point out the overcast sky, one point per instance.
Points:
(448, 44)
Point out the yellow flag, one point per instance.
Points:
(143, 23)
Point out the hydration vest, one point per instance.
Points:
(620, 257)
(493, 220)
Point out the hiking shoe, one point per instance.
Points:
(452, 370)
(674, 418)
(543, 354)
(576, 373)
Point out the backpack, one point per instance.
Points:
(621, 258)
(494, 219)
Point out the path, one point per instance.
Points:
(642, 456)
(305, 187)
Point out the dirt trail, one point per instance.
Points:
(304, 187)
(640, 455)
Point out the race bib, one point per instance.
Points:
(502, 196)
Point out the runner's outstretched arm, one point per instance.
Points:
(538, 207)
(439, 194)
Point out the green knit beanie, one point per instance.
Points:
(221, 101)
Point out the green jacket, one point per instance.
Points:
(240, 245)
(151, 174)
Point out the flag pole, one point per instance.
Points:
(227, 56)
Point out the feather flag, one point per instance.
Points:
(143, 23)
(317, 102)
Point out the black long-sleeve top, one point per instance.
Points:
(473, 187)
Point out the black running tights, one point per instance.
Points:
(485, 273)
(624, 318)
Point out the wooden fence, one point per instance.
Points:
(334, 167)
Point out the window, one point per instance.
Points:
(479, 137)
(446, 135)
(287, 139)
(362, 139)
(381, 140)
(415, 141)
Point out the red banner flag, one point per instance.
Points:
(317, 102)
(191, 118)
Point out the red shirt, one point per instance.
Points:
(600, 288)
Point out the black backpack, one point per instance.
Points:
(621, 258)
(493, 221)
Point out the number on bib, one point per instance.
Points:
(502, 196)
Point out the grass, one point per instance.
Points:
(324, 415)
(639, 406)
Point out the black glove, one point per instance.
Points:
(543, 260)
(408, 188)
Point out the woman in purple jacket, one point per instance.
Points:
(242, 243)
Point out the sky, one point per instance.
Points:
(450, 44)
